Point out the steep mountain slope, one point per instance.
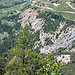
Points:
(59, 31)
(50, 22)
(46, 20)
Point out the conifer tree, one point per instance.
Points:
(22, 60)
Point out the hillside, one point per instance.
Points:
(55, 31)
(50, 22)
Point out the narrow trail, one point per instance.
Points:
(17, 11)
(70, 5)
(22, 5)
(67, 18)
(58, 11)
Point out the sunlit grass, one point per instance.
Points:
(69, 16)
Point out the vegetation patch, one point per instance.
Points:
(63, 7)
(48, 41)
(69, 69)
(57, 35)
(69, 16)
(34, 7)
(73, 44)
(50, 25)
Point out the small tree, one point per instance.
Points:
(22, 60)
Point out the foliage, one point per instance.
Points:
(35, 36)
(10, 3)
(48, 41)
(27, 5)
(2, 65)
(22, 60)
(8, 42)
(50, 25)
(68, 23)
(50, 66)
(73, 44)
(57, 35)
(34, 7)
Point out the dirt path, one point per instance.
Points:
(17, 11)
(70, 5)
(67, 18)
(58, 11)
(22, 5)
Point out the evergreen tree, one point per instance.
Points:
(22, 60)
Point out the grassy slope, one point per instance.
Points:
(69, 69)
(69, 16)
(64, 7)
(4, 12)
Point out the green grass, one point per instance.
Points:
(8, 1)
(69, 16)
(35, 7)
(5, 34)
(62, 7)
(1, 36)
(8, 22)
(47, 10)
(17, 7)
(73, 5)
(65, 0)
(5, 1)
(4, 11)
(69, 69)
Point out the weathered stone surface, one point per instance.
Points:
(63, 42)
(63, 58)
(29, 16)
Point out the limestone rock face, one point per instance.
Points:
(64, 40)
(29, 17)
(63, 58)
